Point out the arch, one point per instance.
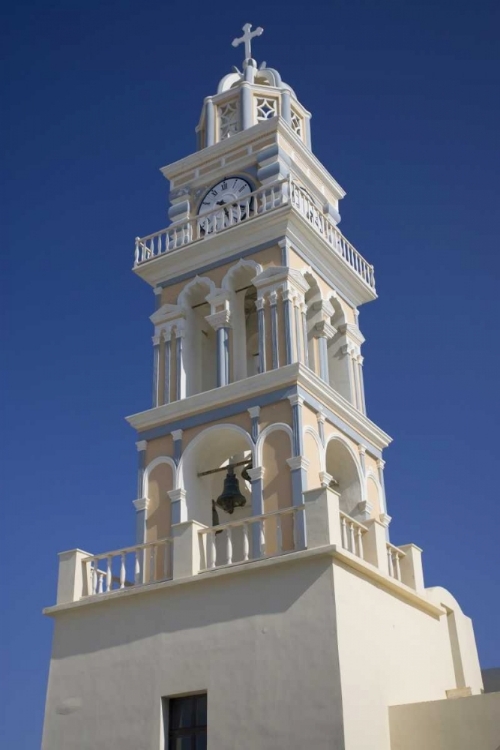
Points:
(266, 432)
(197, 283)
(377, 495)
(241, 264)
(151, 466)
(200, 438)
(321, 448)
(343, 465)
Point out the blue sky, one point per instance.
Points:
(405, 107)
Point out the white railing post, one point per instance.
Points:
(123, 572)
(412, 573)
(186, 543)
(229, 546)
(322, 517)
(375, 545)
(74, 580)
(246, 542)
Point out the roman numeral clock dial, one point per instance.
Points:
(228, 201)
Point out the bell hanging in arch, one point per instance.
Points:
(231, 497)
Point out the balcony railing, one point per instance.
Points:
(130, 566)
(351, 534)
(251, 538)
(261, 201)
(394, 558)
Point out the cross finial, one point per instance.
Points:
(247, 37)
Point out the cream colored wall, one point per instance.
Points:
(311, 452)
(241, 420)
(373, 496)
(162, 446)
(471, 723)
(262, 643)
(277, 487)
(160, 482)
(280, 411)
(391, 652)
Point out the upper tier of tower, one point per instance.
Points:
(245, 98)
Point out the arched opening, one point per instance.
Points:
(312, 297)
(245, 339)
(341, 465)
(159, 482)
(203, 471)
(338, 361)
(276, 448)
(200, 345)
(373, 495)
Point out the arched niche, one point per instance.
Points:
(373, 494)
(243, 297)
(338, 361)
(343, 467)
(200, 344)
(275, 448)
(160, 480)
(313, 451)
(312, 297)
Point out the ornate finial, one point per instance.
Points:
(247, 37)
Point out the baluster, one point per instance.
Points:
(397, 572)
(229, 545)
(262, 538)
(389, 562)
(343, 532)
(360, 544)
(213, 551)
(152, 563)
(137, 567)
(246, 544)
(109, 574)
(279, 534)
(166, 554)
(94, 577)
(136, 255)
(122, 570)
(100, 575)
(352, 540)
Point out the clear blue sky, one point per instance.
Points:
(405, 103)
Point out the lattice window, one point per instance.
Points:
(229, 119)
(296, 124)
(266, 108)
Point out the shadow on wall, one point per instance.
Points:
(199, 604)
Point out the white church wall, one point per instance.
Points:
(392, 653)
(262, 643)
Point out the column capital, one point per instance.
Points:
(361, 450)
(380, 464)
(176, 434)
(221, 319)
(273, 297)
(156, 339)
(385, 519)
(295, 399)
(365, 509)
(256, 473)
(325, 478)
(325, 308)
(141, 445)
(297, 462)
(141, 503)
(323, 329)
(177, 495)
(254, 412)
(158, 290)
(259, 303)
(320, 417)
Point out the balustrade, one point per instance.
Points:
(352, 533)
(261, 201)
(394, 557)
(131, 566)
(229, 543)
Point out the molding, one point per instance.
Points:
(177, 434)
(220, 319)
(385, 520)
(325, 478)
(256, 473)
(296, 400)
(177, 495)
(141, 503)
(254, 412)
(167, 313)
(323, 329)
(141, 445)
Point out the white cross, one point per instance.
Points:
(247, 39)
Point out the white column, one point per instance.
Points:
(180, 387)
(299, 347)
(361, 384)
(262, 333)
(178, 505)
(323, 331)
(220, 322)
(303, 311)
(168, 369)
(156, 371)
(273, 298)
(209, 122)
(287, 316)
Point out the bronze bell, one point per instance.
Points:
(231, 497)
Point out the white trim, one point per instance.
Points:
(267, 431)
(141, 445)
(200, 437)
(152, 465)
(339, 438)
(321, 448)
(197, 281)
(141, 503)
(242, 263)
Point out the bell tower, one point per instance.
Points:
(256, 339)
(262, 604)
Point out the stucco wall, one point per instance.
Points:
(460, 724)
(391, 652)
(262, 643)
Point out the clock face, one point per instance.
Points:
(228, 190)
